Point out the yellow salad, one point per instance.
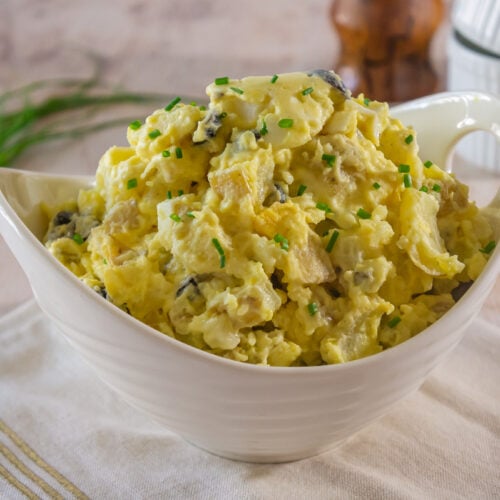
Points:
(287, 223)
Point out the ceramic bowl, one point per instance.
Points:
(240, 411)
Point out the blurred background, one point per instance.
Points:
(392, 50)
(176, 47)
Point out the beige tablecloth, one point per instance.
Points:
(64, 434)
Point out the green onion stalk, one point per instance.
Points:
(28, 119)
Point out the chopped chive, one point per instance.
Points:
(393, 321)
(428, 164)
(312, 308)
(407, 180)
(324, 207)
(263, 130)
(136, 124)
(178, 152)
(180, 192)
(409, 139)
(175, 217)
(154, 133)
(77, 238)
(301, 190)
(367, 101)
(193, 103)
(488, 248)
(274, 78)
(285, 123)
(307, 91)
(363, 214)
(190, 215)
(223, 80)
(169, 195)
(332, 241)
(278, 238)
(403, 168)
(203, 108)
(376, 185)
(424, 189)
(436, 188)
(165, 153)
(330, 159)
(105, 262)
(173, 103)
(132, 183)
(237, 90)
(220, 251)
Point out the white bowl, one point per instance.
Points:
(240, 411)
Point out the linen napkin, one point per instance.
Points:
(64, 434)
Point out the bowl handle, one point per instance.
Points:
(441, 120)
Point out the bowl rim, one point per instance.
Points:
(421, 338)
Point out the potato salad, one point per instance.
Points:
(287, 223)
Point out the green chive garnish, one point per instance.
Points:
(424, 189)
(312, 308)
(436, 188)
(180, 192)
(105, 262)
(376, 185)
(193, 103)
(190, 215)
(136, 124)
(278, 238)
(220, 251)
(172, 103)
(274, 78)
(332, 240)
(132, 183)
(165, 153)
(367, 101)
(330, 159)
(409, 139)
(301, 190)
(363, 214)
(237, 90)
(175, 217)
(154, 133)
(403, 168)
(307, 91)
(169, 195)
(324, 207)
(178, 152)
(285, 123)
(394, 321)
(203, 108)
(407, 180)
(488, 248)
(77, 238)
(428, 164)
(223, 80)
(263, 130)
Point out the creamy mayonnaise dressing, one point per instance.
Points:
(286, 224)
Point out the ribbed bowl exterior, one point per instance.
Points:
(478, 22)
(472, 70)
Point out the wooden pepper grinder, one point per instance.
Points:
(385, 46)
